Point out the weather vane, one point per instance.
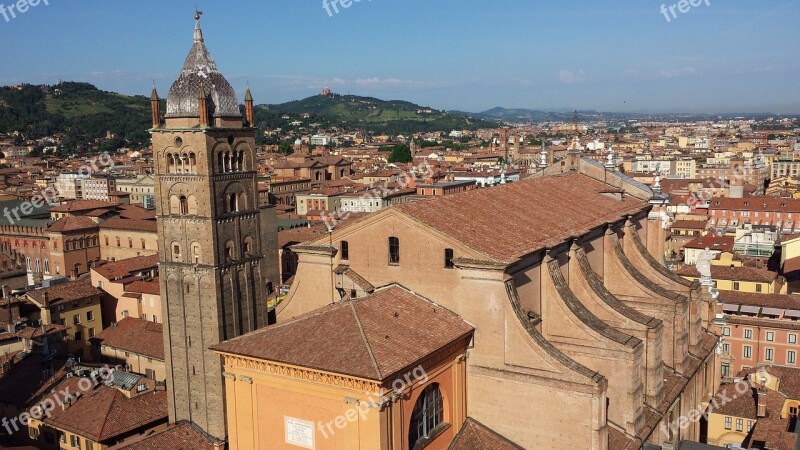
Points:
(197, 13)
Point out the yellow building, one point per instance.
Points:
(758, 409)
(76, 305)
(730, 275)
(383, 372)
(128, 238)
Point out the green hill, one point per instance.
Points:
(80, 111)
(371, 114)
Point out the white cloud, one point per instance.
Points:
(663, 74)
(569, 77)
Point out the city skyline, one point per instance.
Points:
(714, 58)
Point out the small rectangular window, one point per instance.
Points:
(735, 285)
(791, 357)
(748, 334)
(728, 423)
(748, 352)
(739, 424)
(345, 249)
(726, 331)
(394, 250)
(448, 258)
(758, 287)
(793, 339)
(770, 336)
(769, 354)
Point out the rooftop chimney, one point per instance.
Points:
(762, 402)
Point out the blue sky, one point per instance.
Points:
(609, 55)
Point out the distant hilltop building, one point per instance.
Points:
(326, 92)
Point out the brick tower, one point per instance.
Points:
(213, 235)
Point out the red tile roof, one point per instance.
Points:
(83, 205)
(182, 436)
(22, 383)
(67, 224)
(125, 267)
(104, 413)
(711, 242)
(535, 213)
(742, 273)
(151, 287)
(756, 204)
(64, 293)
(135, 336)
(477, 436)
(374, 337)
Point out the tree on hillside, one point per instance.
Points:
(401, 153)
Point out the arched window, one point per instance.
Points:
(247, 246)
(196, 253)
(220, 162)
(427, 415)
(233, 203)
(184, 205)
(240, 160)
(176, 251)
(192, 163)
(229, 249)
(170, 163)
(46, 266)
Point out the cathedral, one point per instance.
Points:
(429, 324)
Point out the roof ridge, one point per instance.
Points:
(366, 341)
(105, 416)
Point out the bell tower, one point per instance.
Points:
(211, 235)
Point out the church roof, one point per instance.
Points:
(200, 73)
(374, 338)
(537, 213)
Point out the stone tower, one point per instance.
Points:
(213, 237)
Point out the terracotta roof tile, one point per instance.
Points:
(104, 413)
(23, 383)
(182, 436)
(150, 287)
(477, 436)
(742, 273)
(63, 293)
(126, 267)
(373, 337)
(711, 242)
(83, 205)
(67, 224)
(135, 336)
(535, 213)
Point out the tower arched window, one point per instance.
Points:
(428, 414)
(229, 249)
(196, 253)
(192, 163)
(247, 246)
(233, 202)
(171, 166)
(221, 162)
(183, 205)
(240, 160)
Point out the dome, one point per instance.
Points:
(200, 70)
